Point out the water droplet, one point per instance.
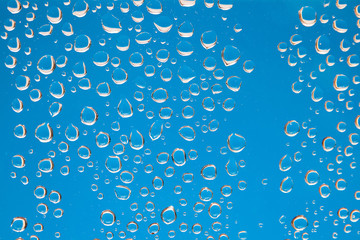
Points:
(328, 144)
(230, 55)
(168, 215)
(102, 139)
(107, 217)
(125, 109)
(44, 132)
(119, 76)
(18, 161)
(159, 95)
(187, 133)
(80, 8)
(209, 172)
(299, 223)
(156, 130)
(110, 24)
(285, 163)
(18, 224)
(88, 116)
(307, 16)
(208, 39)
(312, 177)
(286, 185)
(46, 64)
(341, 82)
(122, 192)
(179, 157)
(292, 128)
(236, 143)
(113, 164)
(136, 140)
(46, 165)
(72, 132)
(214, 210)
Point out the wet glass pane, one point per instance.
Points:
(179, 119)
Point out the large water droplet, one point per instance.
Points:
(46, 165)
(307, 16)
(110, 23)
(72, 132)
(122, 192)
(44, 132)
(208, 39)
(125, 109)
(156, 130)
(88, 116)
(209, 172)
(18, 224)
(179, 157)
(236, 143)
(107, 217)
(136, 140)
(168, 215)
(113, 164)
(187, 133)
(328, 144)
(286, 185)
(46, 64)
(299, 223)
(230, 55)
(292, 128)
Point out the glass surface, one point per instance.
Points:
(182, 119)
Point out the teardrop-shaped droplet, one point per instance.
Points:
(79, 70)
(156, 130)
(72, 133)
(233, 83)
(236, 143)
(136, 140)
(232, 168)
(44, 132)
(168, 215)
(88, 116)
(125, 109)
(55, 109)
(285, 163)
(286, 185)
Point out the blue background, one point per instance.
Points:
(263, 106)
